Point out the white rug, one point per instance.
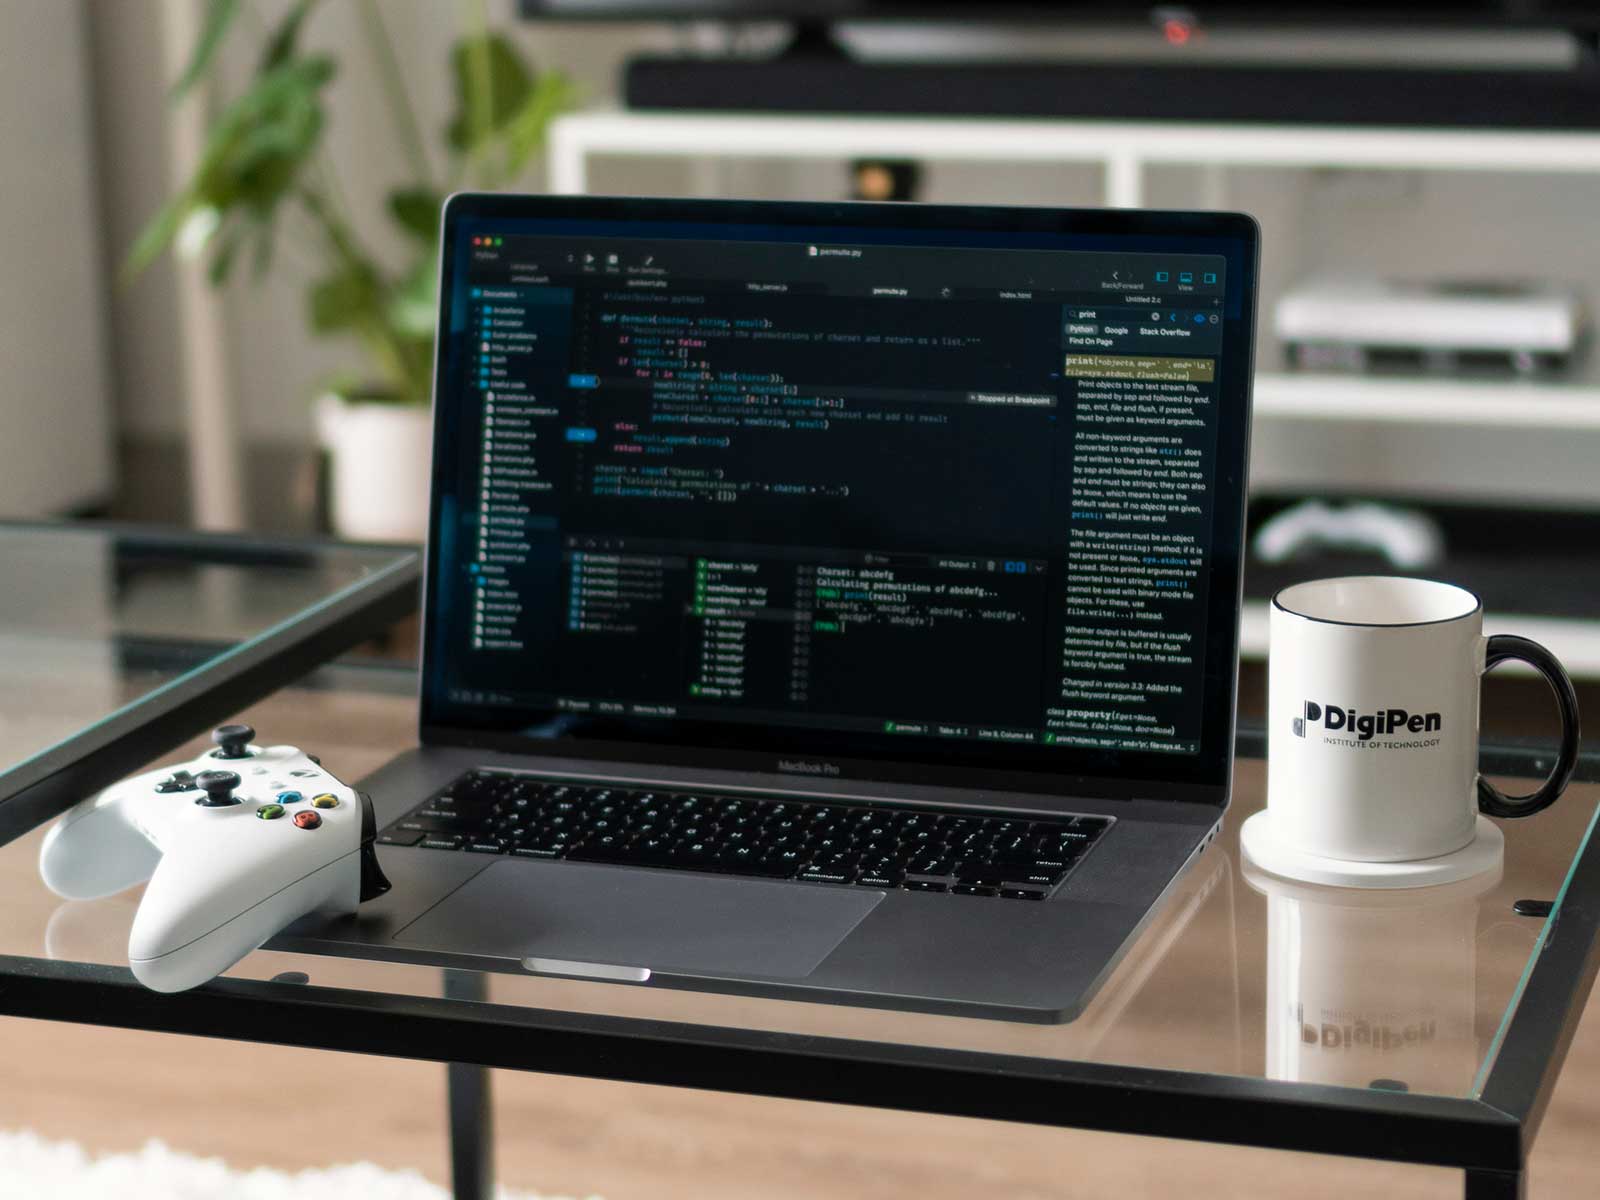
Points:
(38, 1169)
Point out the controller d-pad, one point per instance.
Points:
(270, 812)
(307, 819)
(178, 781)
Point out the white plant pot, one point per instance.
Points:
(381, 464)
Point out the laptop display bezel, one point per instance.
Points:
(1199, 778)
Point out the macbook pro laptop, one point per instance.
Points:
(824, 601)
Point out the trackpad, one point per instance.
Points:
(661, 921)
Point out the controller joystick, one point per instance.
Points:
(233, 741)
(218, 787)
(217, 886)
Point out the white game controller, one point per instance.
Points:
(1409, 540)
(236, 845)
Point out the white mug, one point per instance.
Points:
(1373, 719)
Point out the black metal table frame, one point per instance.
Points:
(1487, 1137)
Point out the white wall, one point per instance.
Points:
(54, 419)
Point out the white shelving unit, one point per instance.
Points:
(1453, 402)
(1126, 156)
(1124, 149)
(1124, 152)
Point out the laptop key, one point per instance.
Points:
(1023, 891)
(413, 826)
(979, 880)
(545, 847)
(400, 837)
(485, 848)
(826, 876)
(440, 843)
(880, 879)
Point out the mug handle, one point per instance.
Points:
(1491, 800)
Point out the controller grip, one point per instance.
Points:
(94, 851)
(176, 943)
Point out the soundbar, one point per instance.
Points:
(1440, 97)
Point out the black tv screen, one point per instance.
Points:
(1577, 15)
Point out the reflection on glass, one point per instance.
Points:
(1372, 988)
(92, 619)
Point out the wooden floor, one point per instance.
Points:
(261, 1105)
(268, 1105)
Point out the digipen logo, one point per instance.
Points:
(1311, 712)
(1365, 726)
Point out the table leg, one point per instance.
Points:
(471, 1112)
(1496, 1185)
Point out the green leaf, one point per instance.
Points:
(219, 17)
(550, 96)
(414, 306)
(416, 209)
(281, 46)
(156, 236)
(262, 141)
(228, 243)
(492, 85)
(348, 298)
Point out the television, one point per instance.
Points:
(1498, 82)
(1571, 15)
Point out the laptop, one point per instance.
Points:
(834, 602)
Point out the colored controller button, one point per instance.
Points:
(270, 812)
(326, 800)
(307, 819)
(290, 797)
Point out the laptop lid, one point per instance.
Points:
(906, 492)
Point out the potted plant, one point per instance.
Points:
(263, 178)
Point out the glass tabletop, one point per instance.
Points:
(106, 629)
(1238, 974)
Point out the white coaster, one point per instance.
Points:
(1482, 853)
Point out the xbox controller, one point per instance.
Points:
(235, 844)
(1408, 540)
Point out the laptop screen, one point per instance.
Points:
(841, 489)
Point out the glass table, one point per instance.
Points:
(117, 642)
(1423, 1026)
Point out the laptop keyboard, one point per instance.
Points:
(878, 846)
